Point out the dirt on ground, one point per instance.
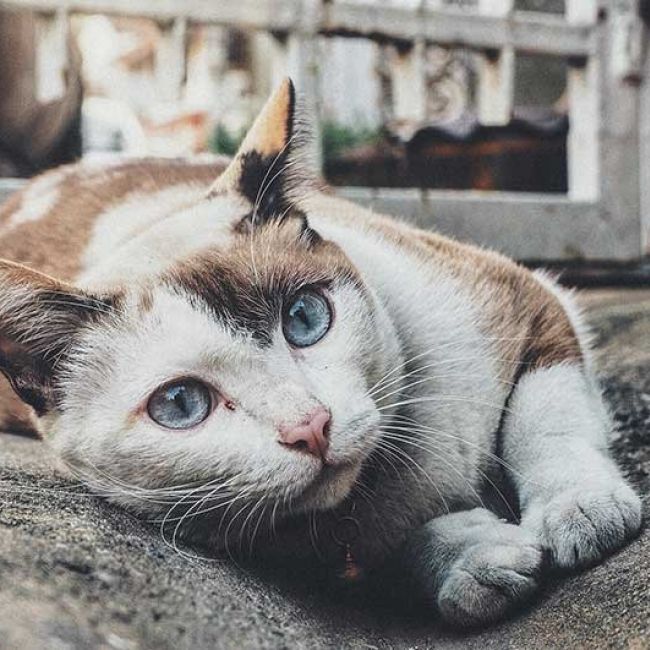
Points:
(77, 573)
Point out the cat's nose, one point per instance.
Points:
(310, 435)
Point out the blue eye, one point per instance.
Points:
(306, 319)
(180, 404)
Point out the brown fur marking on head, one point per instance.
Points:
(247, 285)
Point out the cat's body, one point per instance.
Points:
(445, 365)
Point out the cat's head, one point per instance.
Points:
(244, 370)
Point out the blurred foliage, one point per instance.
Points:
(336, 138)
(225, 142)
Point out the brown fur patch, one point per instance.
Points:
(145, 301)
(55, 243)
(247, 285)
(527, 324)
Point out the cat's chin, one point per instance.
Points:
(332, 485)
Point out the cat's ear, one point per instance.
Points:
(40, 319)
(272, 165)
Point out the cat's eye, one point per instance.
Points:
(180, 404)
(306, 319)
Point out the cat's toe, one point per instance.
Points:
(582, 526)
(487, 582)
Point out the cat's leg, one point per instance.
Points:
(473, 567)
(572, 495)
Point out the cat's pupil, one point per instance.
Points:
(301, 313)
(180, 399)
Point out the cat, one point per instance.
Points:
(267, 368)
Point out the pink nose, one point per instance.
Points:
(310, 435)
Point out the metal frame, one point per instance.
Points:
(606, 214)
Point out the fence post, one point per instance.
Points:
(51, 55)
(583, 92)
(171, 64)
(496, 73)
(409, 89)
(619, 133)
(644, 147)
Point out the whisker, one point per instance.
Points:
(446, 398)
(444, 346)
(400, 452)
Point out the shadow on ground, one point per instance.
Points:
(77, 573)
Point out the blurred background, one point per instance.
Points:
(538, 105)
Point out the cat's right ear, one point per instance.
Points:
(40, 320)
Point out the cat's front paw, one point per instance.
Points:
(489, 580)
(581, 526)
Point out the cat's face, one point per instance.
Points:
(199, 376)
(244, 370)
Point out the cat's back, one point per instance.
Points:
(51, 224)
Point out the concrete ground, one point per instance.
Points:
(77, 573)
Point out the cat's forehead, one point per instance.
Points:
(242, 286)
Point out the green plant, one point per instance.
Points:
(225, 142)
(336, 138)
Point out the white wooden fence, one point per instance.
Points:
(606, 213)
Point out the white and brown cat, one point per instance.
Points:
(272, 369)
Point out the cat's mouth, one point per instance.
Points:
(339, 472)
(331, 485)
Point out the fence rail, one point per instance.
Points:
(531, 32)
(606, 212)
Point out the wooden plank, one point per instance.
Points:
(276, 14)
(626, 42)
(524, 226)
(303, 66)
(583, 142)
(644, 149)
(531, 32)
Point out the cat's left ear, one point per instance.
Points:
(271, 166)
(40, 319)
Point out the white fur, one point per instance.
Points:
(145, 233)
(462, 396)
(572, 494)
